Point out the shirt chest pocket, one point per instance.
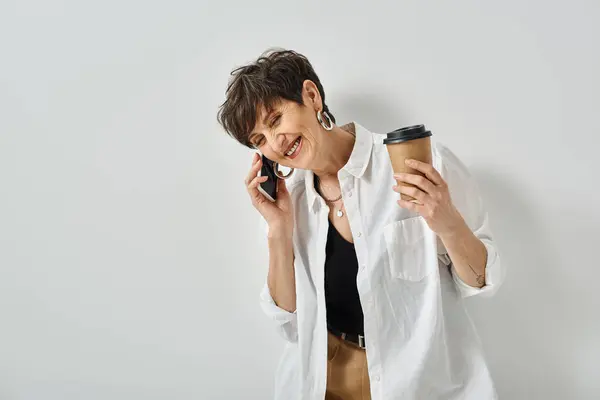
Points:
(411, 249)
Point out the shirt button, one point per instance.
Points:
(350, 194)
(362, 267)
(376, 377)
(359, 234)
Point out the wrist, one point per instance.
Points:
(277, 234)
(459, 229)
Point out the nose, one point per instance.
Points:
(279, 143)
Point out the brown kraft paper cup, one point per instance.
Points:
(412, 142)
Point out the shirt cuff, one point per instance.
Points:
(493, 275)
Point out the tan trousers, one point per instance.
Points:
(347, 373)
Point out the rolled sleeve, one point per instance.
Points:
(493, 274)
(285, 321)
(467, 199)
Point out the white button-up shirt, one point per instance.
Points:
(420, 341)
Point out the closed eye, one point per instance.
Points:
(258, 141)
(275, 120)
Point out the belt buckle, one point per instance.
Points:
(361, 342)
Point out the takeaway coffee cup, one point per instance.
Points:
(409, 142)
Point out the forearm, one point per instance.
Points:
(468, 255)
(281, 278)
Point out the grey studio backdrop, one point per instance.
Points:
(130, 263)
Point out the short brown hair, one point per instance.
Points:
(275, 75)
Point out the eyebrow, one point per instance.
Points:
(268, 116)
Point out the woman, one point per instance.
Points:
(365, 288)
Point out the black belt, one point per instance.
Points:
(358, 340)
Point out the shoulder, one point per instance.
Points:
(379, 149)
(461, 182)
(448, 160)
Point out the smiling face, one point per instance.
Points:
(271, 105)
(290, 133)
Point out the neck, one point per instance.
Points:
(337, 147)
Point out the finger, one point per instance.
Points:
(410, 205)
(421, 182)
(431, 173)
(255, 195)
(253, 171)
(256, 181)
(413, 192)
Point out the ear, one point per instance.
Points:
(311, 96)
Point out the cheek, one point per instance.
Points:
(309, 130)
(312, 135)
(270, 154)
(307, 123)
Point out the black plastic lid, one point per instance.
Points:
(406, 134)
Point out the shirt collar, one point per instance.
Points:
(356, 165)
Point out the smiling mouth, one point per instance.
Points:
(294, 147)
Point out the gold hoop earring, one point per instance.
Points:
(278, 174)
(327, 126)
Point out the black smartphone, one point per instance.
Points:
(269, 187)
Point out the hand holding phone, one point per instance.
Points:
(274, 205)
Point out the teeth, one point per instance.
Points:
(294, 147)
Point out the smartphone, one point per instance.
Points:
(269, 187)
